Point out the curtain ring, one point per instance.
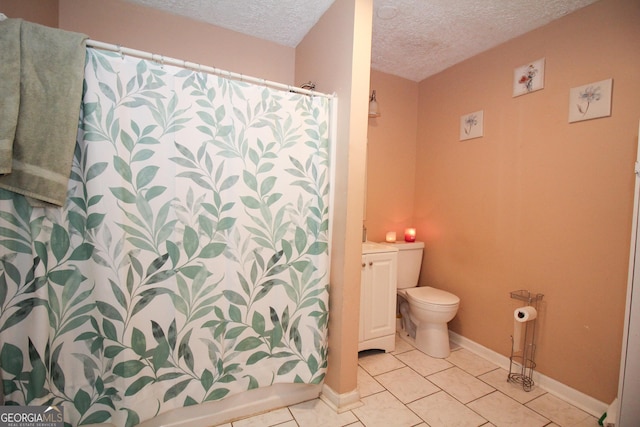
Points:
(120, 51)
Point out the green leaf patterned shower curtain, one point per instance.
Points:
(190, 262)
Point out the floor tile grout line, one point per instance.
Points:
(406, 405)
(551, 421)
(545, 416)
(470, 363)
(358, 420)
(461, 368)
(473, 410)
(460, 402)
(293, 417)
(507, 381)
(417, 373)
(432, 373)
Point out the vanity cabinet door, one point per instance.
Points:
(378, 296)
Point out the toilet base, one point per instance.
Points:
(433, 339)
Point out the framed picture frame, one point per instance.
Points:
(590, 101)
(472, 125)
(528, 78)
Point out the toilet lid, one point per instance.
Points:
(432, 295)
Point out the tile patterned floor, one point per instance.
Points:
(408, 388)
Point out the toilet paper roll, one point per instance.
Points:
(525, 314)
(521, 315)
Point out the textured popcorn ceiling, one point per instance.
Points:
(428, 36)
(413, 39)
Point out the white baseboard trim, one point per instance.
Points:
(570, 395)
(340, 402)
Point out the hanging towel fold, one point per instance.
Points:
(9, 89)
(50, 79)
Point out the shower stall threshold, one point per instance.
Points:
(242, 405)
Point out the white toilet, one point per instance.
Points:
(430, 309)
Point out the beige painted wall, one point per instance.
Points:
(537, 203)
(138, 27)
(44, 12)
(336, 55)
(391, 157)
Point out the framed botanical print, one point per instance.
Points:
(528, 78)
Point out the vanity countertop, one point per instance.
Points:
(373, 247)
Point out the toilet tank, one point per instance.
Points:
(409, 262)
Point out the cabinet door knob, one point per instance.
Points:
(363, 264)
(370, 263)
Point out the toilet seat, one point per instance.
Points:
(431, 298)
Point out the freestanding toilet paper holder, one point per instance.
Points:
(522, 361)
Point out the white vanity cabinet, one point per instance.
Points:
(378, 297)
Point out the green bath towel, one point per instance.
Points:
(51, 63)
(9, 88)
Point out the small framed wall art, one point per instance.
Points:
(590, 101)
(471, 125)
(528, 78)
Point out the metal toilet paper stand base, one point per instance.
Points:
(522, 362)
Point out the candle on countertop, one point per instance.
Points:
(410, 235)
(390, 237)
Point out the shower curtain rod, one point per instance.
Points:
(198, 67)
